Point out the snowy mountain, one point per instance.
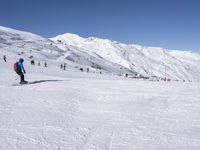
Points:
(26, 44)
(16, 44)
(147, 61)
(102, 55)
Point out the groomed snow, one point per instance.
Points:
(69, 110)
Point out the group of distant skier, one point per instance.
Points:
(19, 68)
(33, 63)
(63, 66)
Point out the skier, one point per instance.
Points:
(19, 69)
(4, 58)
(61, 66)
(32, 62)
(64, 66)
(45, 64)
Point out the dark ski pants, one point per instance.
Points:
(21, 76)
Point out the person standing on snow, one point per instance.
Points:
(19, 69)
(45, 64)
(4, 58)
(64, 66)
(61, 66)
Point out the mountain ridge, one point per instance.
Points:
(122, 52)
(103, 54)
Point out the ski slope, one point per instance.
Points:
(73, 110)
(69, 110)
(101, 55)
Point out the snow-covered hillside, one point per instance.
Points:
(147, 61)
(101, 55)
(14, 43)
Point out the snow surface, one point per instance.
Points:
(73, 110)
(68, 110)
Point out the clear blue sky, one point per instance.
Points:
(172, 24)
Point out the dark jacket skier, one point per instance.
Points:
(4, 58)
(64, 66)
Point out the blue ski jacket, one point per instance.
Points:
(20, 66)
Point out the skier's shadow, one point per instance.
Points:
(42, 81)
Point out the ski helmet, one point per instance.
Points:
(21, 60)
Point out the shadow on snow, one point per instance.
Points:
(39, 81)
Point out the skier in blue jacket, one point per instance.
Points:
(21, 71)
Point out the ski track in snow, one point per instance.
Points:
(73, 111)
